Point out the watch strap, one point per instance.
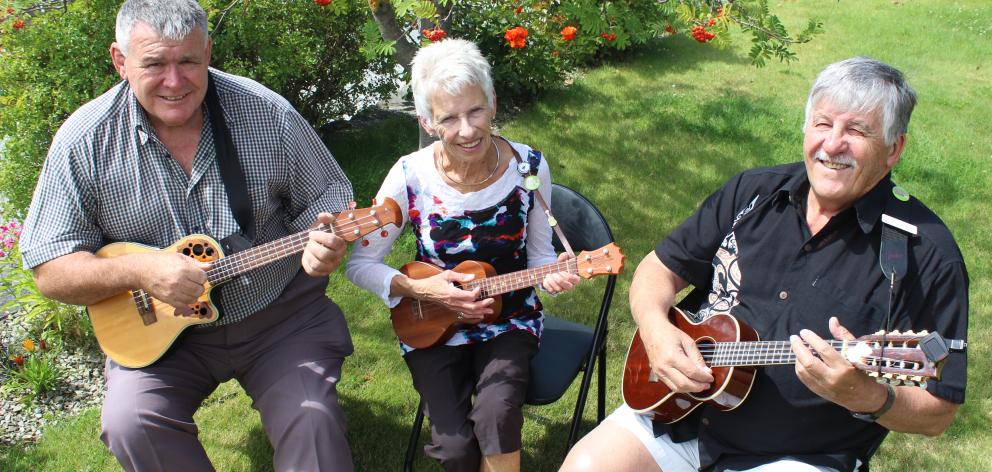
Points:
(890, 399)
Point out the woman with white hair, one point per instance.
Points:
(470, 196)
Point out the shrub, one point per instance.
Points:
(58, 60)
(28, 305)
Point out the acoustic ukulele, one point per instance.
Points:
(421, 324)
(135, 329)
(733, 352)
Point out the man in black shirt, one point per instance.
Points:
(793, 251)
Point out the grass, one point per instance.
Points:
(647, 139)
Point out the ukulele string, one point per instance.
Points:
(429, 308)
(261, 255)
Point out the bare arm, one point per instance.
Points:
(832, 377)
(672, 353)
(81, 278)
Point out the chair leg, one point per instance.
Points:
(601, 386)
(411, 448)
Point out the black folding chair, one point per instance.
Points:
(566, 347)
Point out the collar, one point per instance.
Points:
(137, 117)
(869, 207)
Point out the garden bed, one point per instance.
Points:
(23, 414)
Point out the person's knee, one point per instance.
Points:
(120, 424)
(580, 459)
(456, 452)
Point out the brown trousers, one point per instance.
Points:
(497, 372)
(287, 357)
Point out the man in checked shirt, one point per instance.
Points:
(140, 164)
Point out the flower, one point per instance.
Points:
(28, 345)
(568, 33)
(18, 24)
(435, 34)
(19, 359)
(669, 29)
(608, 36)
(700, 34)
(517, 37)
(711, 22)
(322, 3)
(10, 10)
(42, 345)
(518, 9)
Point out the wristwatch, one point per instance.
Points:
(890, 399)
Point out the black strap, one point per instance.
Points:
(230, 167)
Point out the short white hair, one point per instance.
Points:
(171, 19)
(865, 85)
(449, 65)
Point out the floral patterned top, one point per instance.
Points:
(494, 225)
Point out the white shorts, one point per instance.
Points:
(684, 456)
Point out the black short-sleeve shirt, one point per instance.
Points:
(748, 252)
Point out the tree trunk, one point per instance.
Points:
(390, 30)
(385, 19)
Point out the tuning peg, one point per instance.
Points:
(384, 233)
(879, 332)
(365, 242)
(374, 202)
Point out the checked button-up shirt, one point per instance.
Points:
(109, 179)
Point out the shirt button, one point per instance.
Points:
(808, 247)
(706, 421)
(783, 295)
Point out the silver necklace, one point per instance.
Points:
(437, 163)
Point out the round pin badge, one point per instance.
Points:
(523, 168)
(900, 193)
(532, 182)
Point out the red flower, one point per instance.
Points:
(42, 345)
(608, 36)
(518, 9)
(435, 34)
(322, 3)
(669, 29)
(18, 24)
(10, 10)
(568, 33)
(19, 359)
(700, 34)
(711, 22)
(517, 37)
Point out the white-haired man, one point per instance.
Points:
(793, 251)
(140, 164)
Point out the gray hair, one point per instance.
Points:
(171, 19)
(864, 85)
(449, 65)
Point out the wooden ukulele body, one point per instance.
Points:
(422, 324)
(135, 329)
(644, 393)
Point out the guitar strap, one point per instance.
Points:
(547, 210)
(234, 183)
(230, 167)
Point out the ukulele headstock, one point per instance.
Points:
(607, 260)
(895, 357)
(351, 225)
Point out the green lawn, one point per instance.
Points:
(647, 139)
